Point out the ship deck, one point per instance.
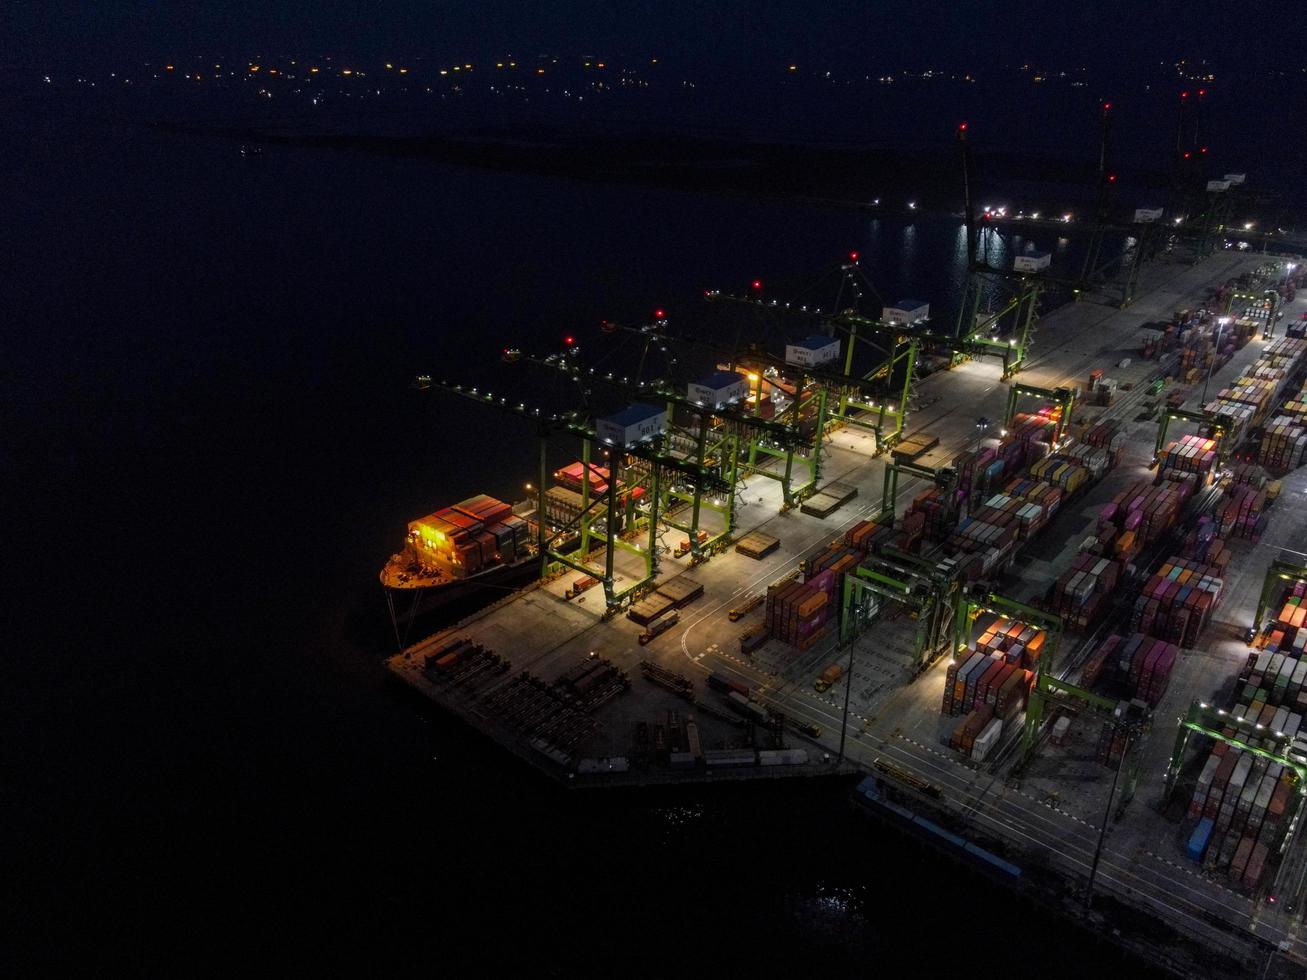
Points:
(1053, 814)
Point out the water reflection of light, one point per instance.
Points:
(679, 816)
(835, 900)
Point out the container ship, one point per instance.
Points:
(484, 544)
(479, 543)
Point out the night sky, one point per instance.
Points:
(1113, 37)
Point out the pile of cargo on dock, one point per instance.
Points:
(868, 537)
(1083, 593)
(827, 570)
(1242, 803)
(828, 499)
(988, 684)
(1284, 439)
(675, 593)
(1138, 665)
(797, 613)
(757, 545)
(1241, 513)
(1250, 399)
(1188, 460)
(1238, 814)
(1148, 510)
(1177, 601)
(1193, 336)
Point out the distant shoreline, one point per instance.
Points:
(812, 175)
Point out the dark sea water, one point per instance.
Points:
(209, 447)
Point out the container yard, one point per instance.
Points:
(1068, 639)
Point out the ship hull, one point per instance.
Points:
(409, 604)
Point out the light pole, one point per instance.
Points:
(1107, 815)
(848, 693)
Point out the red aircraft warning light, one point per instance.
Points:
(659, 314)
(853, 256)
(757, 284)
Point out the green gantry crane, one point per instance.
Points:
(1064, 398)
(1023, 289)
(657, 461)
(1221, 725)
(712, 440)
(1268, 299)
(856, 403)
(912, 582)
(1205, 421)
(1280, 570)
(810, 384)
(1046, 687)
(945, 478)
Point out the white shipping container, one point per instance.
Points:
(1217, 186)
(906, 311)
(986, 740)
(631, 425)
(1145, 215)
(782, 757)
(718, 389)
(1293, 724)
(1035, 262)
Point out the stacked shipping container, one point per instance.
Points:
(474, 534)
(1177, 601)
(796, 613)
(1190, 459)
(1138, 664)
(1082, 594)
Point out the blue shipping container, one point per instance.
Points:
(1198, 841)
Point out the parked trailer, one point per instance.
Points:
(751, 640)
(745, 607)
(723, 758)
(750, 709)
(658, 627)
(828, 677)
(674, 682)
(722, 683)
